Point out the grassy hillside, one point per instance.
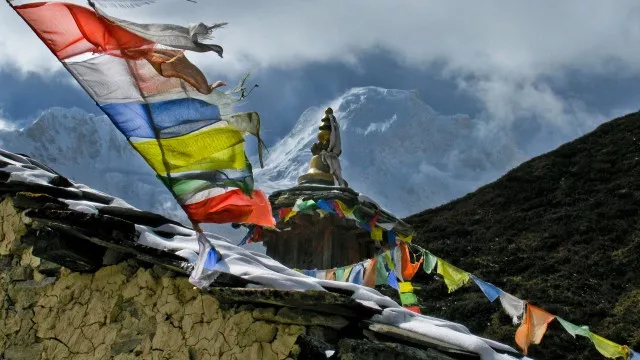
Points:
(561, 231)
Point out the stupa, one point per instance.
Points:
(322, 223)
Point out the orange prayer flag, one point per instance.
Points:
(331, 274)
(533, 327)
(370, 273)
(408, 269)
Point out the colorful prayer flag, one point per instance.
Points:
(331, 274)
(162, 103)
(430, 262)
(370, 272)
(405, 287)
(376, 233)
(608, 348)
(512, 306)
(357, 274)
(572, 329)
(533, 327)
(415, 309)
(408, 299)
(392, 280)
(454, 278)
(381, 271)
(489, 290)
(409, 269)
(391, 239)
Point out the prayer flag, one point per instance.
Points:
(409, 269)
(408, 299)
(489, 290)
(608, 348)
(512, 306)
(533, 327)
(430, 262)
(392, 280)
(574, 329)
(370, 272)
(454, 278)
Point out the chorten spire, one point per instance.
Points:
(324, 167)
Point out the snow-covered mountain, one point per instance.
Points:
(396, 149)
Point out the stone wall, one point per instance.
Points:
(127, 311)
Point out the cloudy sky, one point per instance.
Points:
(568, 62)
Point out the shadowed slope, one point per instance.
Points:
(561, 231)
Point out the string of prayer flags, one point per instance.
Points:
(163, 104)
(512, 306)
(454, 277)
(489, 290)
(409, 269)
(533, 327)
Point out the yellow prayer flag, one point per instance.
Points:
(608, 348)
(376, 233)
(347, 272)
(406, 238)
(215, 148)
(453, 277)
(405, 287)
(387, 258)
(291, 214)
(533, 327)
(348, 213)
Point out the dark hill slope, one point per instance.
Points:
(561, 230)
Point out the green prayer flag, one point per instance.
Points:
(408, 299)
(573, 329)
(339, 274)
(301, 206)
(381, 271)
(430, 262)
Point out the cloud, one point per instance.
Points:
(5, 124)
(504, 53)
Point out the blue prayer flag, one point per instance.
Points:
(391, 238)
(392, 280)
(211, 260)
(490, 290)
(326, 205)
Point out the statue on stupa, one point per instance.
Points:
(324, 167)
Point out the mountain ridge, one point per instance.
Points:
(561, 230)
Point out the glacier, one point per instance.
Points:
(396, 150)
